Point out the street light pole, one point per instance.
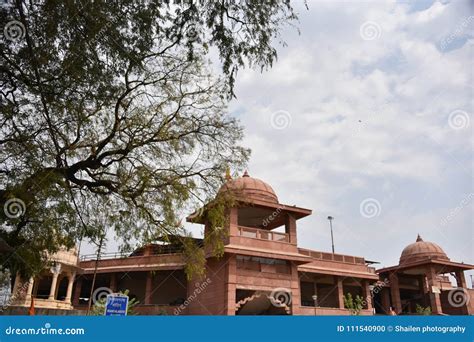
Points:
(330, 218)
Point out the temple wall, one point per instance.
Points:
(209, 295)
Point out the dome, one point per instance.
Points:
(421, 250)
(65, 256)
(250, 188)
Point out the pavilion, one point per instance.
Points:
(262, 271)
(422, 278)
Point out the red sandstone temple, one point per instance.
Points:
(262, 272)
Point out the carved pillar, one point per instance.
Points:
(367, 294)
(340, 292)
(69, 287)
(461, 279)
(113, 282)
(231, 285)
(29, 291)
(233, 221)
(295, 290)
(52, 291)
(316, 302)
(290, 228)
(435, 301)
(16, 284)
(395, 292)
(148, 288)
(77, 291)
(461, 282)
(385, 295)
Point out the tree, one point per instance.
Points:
(111, 108)
(354, 305)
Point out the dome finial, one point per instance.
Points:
(246, 174)
(418, 239)
(228, 177)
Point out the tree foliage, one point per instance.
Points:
(111, 109)
(354, 304)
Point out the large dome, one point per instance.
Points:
(422, 250)
(250, 188)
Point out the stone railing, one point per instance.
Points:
(263, 234)
(349, 259)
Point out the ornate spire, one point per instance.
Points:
(246, 174)
(418, 239)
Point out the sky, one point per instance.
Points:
(367, 116)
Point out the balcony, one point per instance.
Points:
(349, 259)
(262, 234)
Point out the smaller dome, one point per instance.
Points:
(66, 256)
(250, 188)
(422, 250)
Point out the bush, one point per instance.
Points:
(355, 305)
(420, 310)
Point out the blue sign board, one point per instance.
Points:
(116, 305)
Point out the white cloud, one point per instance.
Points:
(369, 118)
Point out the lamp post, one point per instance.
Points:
(315, 300)
(330, 218)
(371, 297)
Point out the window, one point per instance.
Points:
(265, 265)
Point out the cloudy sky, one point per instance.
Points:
(367, 116)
